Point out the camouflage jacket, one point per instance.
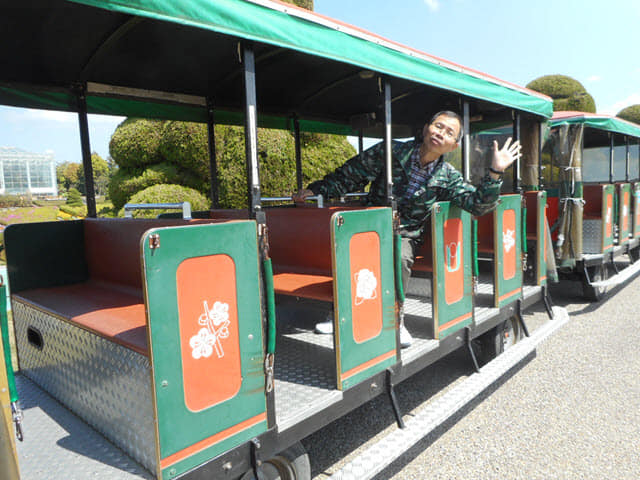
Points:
(446, 183)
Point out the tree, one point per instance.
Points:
(73, 198)
(67, 174)
(100, 175)
(567, 93)
(631, 114)
(169, 152)
(308, 4)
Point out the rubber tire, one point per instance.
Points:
(290, 464)
(634, 254)
(596, 274)
(499, 339)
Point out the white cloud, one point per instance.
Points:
(594, 78)
(433, 5)
(633, 99)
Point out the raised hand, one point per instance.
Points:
(505, 156)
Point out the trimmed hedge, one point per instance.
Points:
(567, 93)
(164, 193)
(135, 142)
(632, 114)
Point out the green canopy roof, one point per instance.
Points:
(169, 55)
(597, 121)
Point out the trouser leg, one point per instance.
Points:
(408, 253)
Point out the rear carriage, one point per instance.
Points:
(189, 342)
(591, 177)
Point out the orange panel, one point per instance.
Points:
(364, 253)
(209, 341)
(509, 260)
(453, 261)
(625, 212)
(608, 216)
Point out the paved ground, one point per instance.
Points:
(571, 411)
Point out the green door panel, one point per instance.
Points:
(205, 332)
(508, 250)
(452, 277)
(364, 293)
(608, 193)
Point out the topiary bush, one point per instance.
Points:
(74, 199)
(135, 142)
(631, 114)
(164, 193)
(567, 93)
(186, 144)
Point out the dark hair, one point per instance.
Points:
(450, 114)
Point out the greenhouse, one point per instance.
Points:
(23, 172)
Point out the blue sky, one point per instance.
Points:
(595, 42)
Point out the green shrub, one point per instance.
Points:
(186, 144)
(632, 114)
(74, 199)
(127, 182)
(163, 193)
(135, 143)
(7, 201)
(567, 93)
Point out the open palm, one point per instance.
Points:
(505, 156)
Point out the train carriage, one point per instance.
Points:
(592, 178)
(188, 342)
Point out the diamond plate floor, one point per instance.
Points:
(57, 444)
(305, 373)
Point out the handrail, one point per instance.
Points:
(317, 198)
(185, 206)
(352, 195)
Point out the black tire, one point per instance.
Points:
(290, 464)
(634, 254)
(596, 273)
(498, 339)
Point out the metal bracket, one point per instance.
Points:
(394, 400)
(255, 460)
(470, 348)
(521, 318)
(548, 304)
(154, 241)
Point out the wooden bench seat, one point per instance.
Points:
(110, 302)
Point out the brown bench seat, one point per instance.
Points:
(110, 302)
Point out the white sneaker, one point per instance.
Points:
(325, 327)
(405, 337)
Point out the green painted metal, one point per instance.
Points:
(6, 345)
(476, 268)
(507, 290)
(636, 210)
(624, 211)
(358, 361)
(271, 305)
(398, 267)
(179, 427)
(607, 215)
(524, 230)
(541, 269)
(449, 317)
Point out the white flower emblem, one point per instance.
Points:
(508, 240)
(366, 284)
(217, 323)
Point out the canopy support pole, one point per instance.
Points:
(296, 137)
(611, 135)
(85, 144)
(517, 174)
(251, 131)
(360, 143)
(540, 147)
(626, 161)
(466, 142)
(213, 165)
(387, 142)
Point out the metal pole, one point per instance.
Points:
(466, 142)
(540, 147)
(517, 178)
(387, 141)
(360, 143)
(296, 136)
(251, 131)
(86, 150)
(611, 158)
(626, 161)
(213, 165)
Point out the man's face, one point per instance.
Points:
(441, 135)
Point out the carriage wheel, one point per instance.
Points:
(290, 464)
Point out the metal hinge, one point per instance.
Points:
(154, 241)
